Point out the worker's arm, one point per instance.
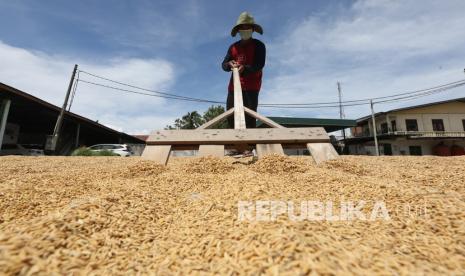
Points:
(226, 61)
(259, 59)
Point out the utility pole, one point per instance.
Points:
(56, 131)
(340, 99)
(341, 113)
(374, 128)
(341, 110)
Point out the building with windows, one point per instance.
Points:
(430, 129)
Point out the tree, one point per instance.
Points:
(212, 112)
(189, 121)
(193, 119)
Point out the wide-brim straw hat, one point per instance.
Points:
(246, 18)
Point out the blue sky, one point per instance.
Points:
(374, 48)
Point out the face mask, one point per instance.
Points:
(246, 34)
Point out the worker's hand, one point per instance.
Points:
(233, 64)
(241, 68)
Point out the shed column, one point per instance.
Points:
(4, 109)
(78, 130)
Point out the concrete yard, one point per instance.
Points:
(124, 215)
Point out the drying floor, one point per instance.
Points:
(111, 215)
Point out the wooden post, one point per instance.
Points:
(239, 116)
(157, 153)
(211, 150)
(322, 152)
(264, 149)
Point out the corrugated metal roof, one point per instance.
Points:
(329, 124)
(4, 88)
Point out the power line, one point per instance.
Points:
(427, 93)
(339, 104)
(460, 82)
(145, 89)
(148, 94)
(441, 88)
(199, 100)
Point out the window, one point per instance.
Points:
(393, 125)
(438, 125)
(411, 124)
(384, 128)
(463, 123)
(415, 150)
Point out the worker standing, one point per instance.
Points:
(248, 55)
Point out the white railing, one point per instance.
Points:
(418, 134)
(432, 134)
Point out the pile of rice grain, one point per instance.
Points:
(208, 164)
(348, 167)
(111, 215)
(276, 164)
(143, 168)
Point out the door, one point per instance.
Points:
(415, 150)
(387, 149)
(393, 125)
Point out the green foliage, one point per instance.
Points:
(105, 153)
(214, 111)
(193, 119)
(83, 151)
(189, 121)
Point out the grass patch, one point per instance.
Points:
(83, 151)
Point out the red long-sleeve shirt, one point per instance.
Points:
(251, 55)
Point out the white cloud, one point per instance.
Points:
(151, 25)
(47, 77)
(375, 48)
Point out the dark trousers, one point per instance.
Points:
(250, 99)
